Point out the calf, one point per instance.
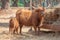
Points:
(13, 26)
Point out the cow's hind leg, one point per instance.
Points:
(21, 28)
(14, 31)
(30, 29)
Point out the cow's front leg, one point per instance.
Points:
(35, 29)
(38, 30)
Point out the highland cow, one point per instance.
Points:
(30, 18)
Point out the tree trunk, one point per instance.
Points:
(26, 4)
(5, 4)
(15, 3)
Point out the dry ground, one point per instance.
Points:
(27, 35)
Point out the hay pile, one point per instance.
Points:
(52, 16)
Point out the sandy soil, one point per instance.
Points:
(26, 34)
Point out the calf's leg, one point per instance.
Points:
(17, 30)
(14, 31)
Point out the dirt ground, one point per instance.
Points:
(26, 34)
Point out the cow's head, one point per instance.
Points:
(40, 10)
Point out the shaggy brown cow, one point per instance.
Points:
(14, 24)
(30, 18)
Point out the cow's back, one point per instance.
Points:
(24, 16)
(28, 17)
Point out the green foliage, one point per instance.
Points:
(21, 4)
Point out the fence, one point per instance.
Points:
(26, 3)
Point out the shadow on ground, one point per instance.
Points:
(4, 24)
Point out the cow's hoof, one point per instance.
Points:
(21, 34)
(17, 34)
